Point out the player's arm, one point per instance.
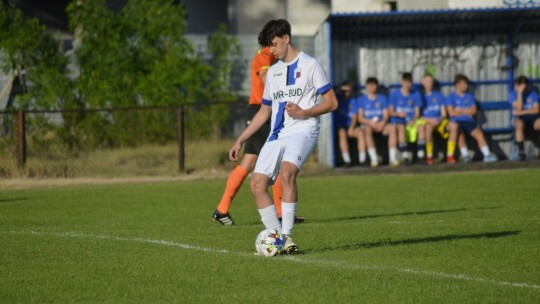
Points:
(535, 109)
(386, 116)
(451, 111)
(328, 104)
(362, 118)
(470, 111)
(354, 121)
(256, 123)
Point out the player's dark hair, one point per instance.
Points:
(406, 76)
(460, 78)
(372, 80)
(522, 80)
(272, 29)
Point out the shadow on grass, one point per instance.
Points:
(10, 200)
(363, 217)
(430, 239)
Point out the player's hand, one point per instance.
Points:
(518, 112)
(350, 132)
(294, 111)
(411, 123)
(234, 151)
(378, 127)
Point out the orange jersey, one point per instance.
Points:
(261, 61)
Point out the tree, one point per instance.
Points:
(140, 56)
(33, 55)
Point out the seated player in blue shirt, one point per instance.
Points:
(526, 111)
(373, 115)
(345, 121)
(404, 109)
(462, 110)
(433, 112)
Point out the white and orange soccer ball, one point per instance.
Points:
(269, 243)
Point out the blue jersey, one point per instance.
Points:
(461, 102)
(529, 99)
(373, 108)
(431, 104)
(405, 104)
(346, 109)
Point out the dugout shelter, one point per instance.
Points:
(491, 46)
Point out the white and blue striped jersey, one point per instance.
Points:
(299, 82)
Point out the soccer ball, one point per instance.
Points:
(269, 242)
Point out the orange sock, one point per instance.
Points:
(236, 178)
(278, 193)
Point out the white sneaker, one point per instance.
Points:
(290, 246)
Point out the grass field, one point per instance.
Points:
(425, 238)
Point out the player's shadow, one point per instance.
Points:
(412, 241)
(363, 217)
(10, 200)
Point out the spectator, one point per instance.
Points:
(345, 122)
(404, 109)
(526, 111)
(373, 115)
(462, 109)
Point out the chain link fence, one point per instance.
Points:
(140, 141)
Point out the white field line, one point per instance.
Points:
(295, 259)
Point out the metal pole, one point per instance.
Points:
(181, 150)
(21, 139)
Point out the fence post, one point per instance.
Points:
(21, 139)
(181, 151)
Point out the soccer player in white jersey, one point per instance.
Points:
(291, 91)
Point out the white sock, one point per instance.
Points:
(485, 150)
(464, 151)
(362, 157)
(269, 217)
(405, 155)
(373, 155)
(420, 153)
(393, 154)
(346, 157)
(289, 213)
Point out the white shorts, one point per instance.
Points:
(295, 148)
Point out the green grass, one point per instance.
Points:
(428, 238)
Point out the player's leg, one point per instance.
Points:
(344, 147)
(370, 143)
(402, 142)
(267, 210)
(429, 129)
(267, 169)
(421, 142)
(519, 136)
(463, 150)
(453, 128)
(296, 151)
(361, 144)
(234, 182)
(478, 135)
(390, 131)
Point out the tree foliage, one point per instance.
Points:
(138, 56)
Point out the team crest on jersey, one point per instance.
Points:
(410, 102)
(377, 105)
(435, 100)
(297, 73)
